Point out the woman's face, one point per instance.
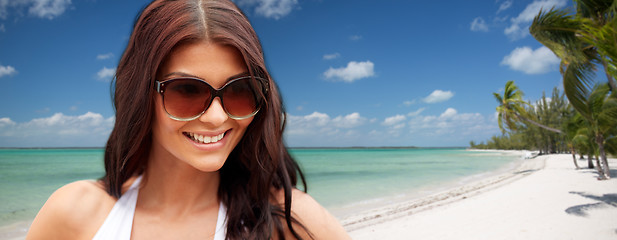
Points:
(216, 64)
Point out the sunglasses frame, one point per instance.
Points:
(160, 88)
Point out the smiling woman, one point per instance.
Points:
(196, 151)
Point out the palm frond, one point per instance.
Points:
(597, 99)
(557, 30)
(607, 118)
(610, 145)
(603, 38)
(595, 9)
(498, 98)
(577, 84)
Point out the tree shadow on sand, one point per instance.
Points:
(612, 172)
(606, 200)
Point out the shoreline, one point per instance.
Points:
(358, 212)
(542, 198)
(433, 196)
(15, 231)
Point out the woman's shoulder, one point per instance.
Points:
(73, 211)
(314, 217)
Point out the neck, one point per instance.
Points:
(175, 187)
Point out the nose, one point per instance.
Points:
(215, 114)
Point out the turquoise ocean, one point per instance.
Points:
(337, 178)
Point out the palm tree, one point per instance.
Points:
(599, 29)
(550, 112)
(581, 138)
(511, 109)
(581, 41)
(599, 110)
(571, 127)
(584, 141)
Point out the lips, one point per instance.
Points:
(203, 139)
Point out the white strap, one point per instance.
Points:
(119, 222)
(221, 223)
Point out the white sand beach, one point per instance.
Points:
(544, 198)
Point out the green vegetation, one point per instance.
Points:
(529, 126)
(586, 124)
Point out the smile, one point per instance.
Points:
(204, 139)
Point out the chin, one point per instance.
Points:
(211, 163)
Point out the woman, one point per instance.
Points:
(196, 151)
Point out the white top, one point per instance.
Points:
(119, 222)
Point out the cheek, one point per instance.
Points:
(243, 124)
(163, 126)
(240, 128)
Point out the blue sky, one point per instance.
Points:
(352, 73)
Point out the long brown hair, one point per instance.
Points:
(259, 164)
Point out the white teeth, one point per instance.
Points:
(206, 139)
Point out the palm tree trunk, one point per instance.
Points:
(537, 124)
(605, 174)
(599, 169)
(574, 157)
(590, 161)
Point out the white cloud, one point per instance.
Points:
(448, 128)
(2, 28)
(349, 121)
(355, 37)
(409, 103)
(500, 19)
(449, 113)
(106, 74)
(319, 129)
(104, 56)
(479, 25)
(270, 8)
(461, 126)
(354, 71)
(317, 122)
(520, 24)
(306, 124)
(504, 6)
(7, 71)
(59, 130)
(4, 122)
(530, 61)
(331, 56)
(4, 12)
(416, 113)
(49, 9)
(438, 96)
(515, 32)
(394, 120)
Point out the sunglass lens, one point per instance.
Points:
(240, 98)
(186, 98)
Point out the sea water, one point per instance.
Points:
(336, 177)
(29, 176)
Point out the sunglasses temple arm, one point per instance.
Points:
(158, 86)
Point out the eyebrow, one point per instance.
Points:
(181, 74)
